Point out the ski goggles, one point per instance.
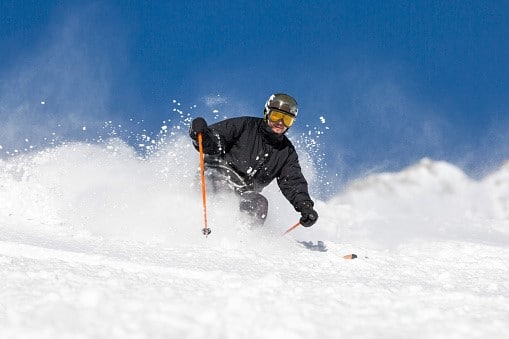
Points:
(275, 116)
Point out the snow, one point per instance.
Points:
(96, 242)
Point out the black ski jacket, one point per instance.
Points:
(249, 147)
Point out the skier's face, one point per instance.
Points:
(279, 121)
(277, 127)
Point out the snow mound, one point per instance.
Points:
(431, 199)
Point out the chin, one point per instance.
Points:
(278, 130)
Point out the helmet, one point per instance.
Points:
(282, 102)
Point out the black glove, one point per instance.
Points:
(198, 125)
(308, 214)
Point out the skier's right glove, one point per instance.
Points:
(308, 214)
(198, 125)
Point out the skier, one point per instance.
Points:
(247, 153)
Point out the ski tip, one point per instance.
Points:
(350, 256)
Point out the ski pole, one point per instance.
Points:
(206, 230)
(292, 228)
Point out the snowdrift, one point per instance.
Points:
(109, 189)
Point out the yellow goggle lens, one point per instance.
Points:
(287, 119)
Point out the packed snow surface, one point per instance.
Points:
(96, 242)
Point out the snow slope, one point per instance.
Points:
(98, 243)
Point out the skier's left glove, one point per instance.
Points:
(308, 214)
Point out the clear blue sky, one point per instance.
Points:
(394, 80)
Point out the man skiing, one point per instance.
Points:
(247, 153)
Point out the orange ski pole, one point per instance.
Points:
(292, 228)
(206, 230)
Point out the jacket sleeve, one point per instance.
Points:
(219, 137)
(292, 183)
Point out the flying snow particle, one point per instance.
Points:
(43, 102)
(215, 100)
(322, 119)
(84, 128)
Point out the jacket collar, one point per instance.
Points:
(269, 135)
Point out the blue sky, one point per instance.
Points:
(395, 80)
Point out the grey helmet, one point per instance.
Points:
(282, 102)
